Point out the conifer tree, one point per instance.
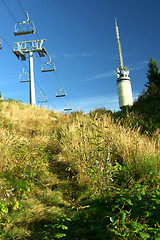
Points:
(153, 75)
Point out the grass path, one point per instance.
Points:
(76, 177)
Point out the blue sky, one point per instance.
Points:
(81, 40)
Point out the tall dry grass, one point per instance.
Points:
(26, 196)
(42, 150)
(27, 119)
(128, 140)
(83, 140)
(94, 146)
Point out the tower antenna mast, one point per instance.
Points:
(119, 46)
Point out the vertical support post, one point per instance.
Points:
(31, 76)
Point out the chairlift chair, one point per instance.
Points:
(67, 108)
(24, 77)
(49, 66)
(25, 27)
(61, 93)
(42, 98)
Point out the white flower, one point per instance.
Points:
(111, 219)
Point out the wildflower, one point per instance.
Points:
(111, 219)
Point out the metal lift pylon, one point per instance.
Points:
(31, 76)
(20, 50)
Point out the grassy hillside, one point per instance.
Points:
(76, 176)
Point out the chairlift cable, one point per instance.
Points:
(41, 62)
(40, 87)
(6, 42)
(24, 27)
(48, 66)
(51, 82)
(45, 94)
(24, 13)
(27, 70)
(58, 80)
(9, 11)
(11, 49)
(47, 74)
(21, 6)
(61, 92)
(26, 38)
(38, 57)
(62, 87)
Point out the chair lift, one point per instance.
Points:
(49, 66)
(25, 27)
(42, 98)
(61, 93)
(0, 43)
(24, 77)
(67, 108)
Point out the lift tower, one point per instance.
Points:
(30, 47)
(123, 80)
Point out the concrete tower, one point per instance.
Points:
(123, 81)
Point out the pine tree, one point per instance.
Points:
(153, 75)
(147, 106)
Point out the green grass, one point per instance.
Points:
(76, 176)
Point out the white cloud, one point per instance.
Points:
(135, 95)
(90, 103)
(110, 102)
(136, 68)
(73, 55)
(125, 54)
(101, 75)
(140, 65)
(86, 104)
(144, 62)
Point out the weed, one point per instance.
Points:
(101, 172)
(57, 229)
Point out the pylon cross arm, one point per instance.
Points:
(21, 48)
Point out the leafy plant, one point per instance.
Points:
(95, 168)
(57, 229)
(135, 211)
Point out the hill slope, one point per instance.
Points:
(76, 176)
